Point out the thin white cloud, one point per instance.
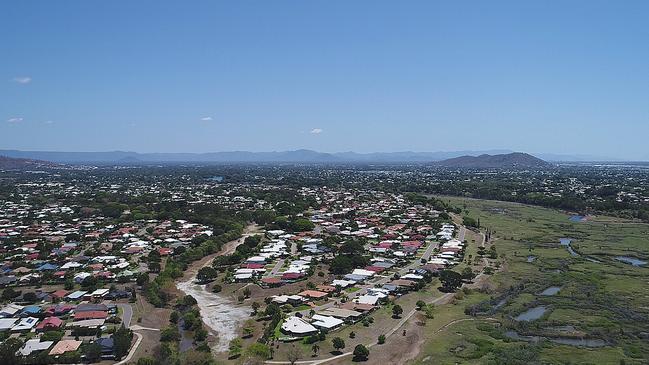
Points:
(49, 122)
(23, 79)
(316, 131)
(206, 119)
(15, 120)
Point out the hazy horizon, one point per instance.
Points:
(334, 76)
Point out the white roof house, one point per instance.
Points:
(25, 324)
(363, 272)
(138, 244)
(7, 323)
(256, 259)
(81, 276)
(367, 299)
(298, 266)
(340, 313)
(327, 322)
(89, 323)
(342, 283)
(412, 277)
(453, 243)
(249, 271)
(34, 345)
(10, 310)
(378, 292)
(438, 261)
(378, 249)
(243, 276)
(70, 265)
(445, 235)
(76, 295)
(100, 292)
(120, 265)
(283, 299)
(297, 326)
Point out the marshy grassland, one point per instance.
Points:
(598, 315)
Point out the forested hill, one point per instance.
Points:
(510, 160)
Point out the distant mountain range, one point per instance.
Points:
(9, 163)
(509, 160)
(299, 156)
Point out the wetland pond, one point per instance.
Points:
(531, 314)
(578, 218)
(631, 261)
(566, 242)
(551, 291)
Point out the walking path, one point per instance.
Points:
(133, 349)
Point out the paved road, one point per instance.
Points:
(293, 248)
(462, 234)
(429, 251)
(127, 313)
(277, 267)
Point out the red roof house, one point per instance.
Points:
(90, 315)
(49, 323)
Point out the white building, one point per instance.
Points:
(298, 326)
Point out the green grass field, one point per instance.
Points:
(606, 300)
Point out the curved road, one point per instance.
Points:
(127, 313)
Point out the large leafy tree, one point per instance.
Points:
(451, 280)
(361, 352)
(122, 341)
(8, 351)
(338, 343)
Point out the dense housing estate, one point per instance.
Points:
(71, 270)
(113, 263)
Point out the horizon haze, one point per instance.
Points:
(299, 155)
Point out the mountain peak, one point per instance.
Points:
(509, 160)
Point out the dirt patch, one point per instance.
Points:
(400, 349)
(150, 317)
(219, 313)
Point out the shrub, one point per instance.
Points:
(361, 353)
(381, 339)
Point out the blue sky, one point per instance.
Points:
(197, 76)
